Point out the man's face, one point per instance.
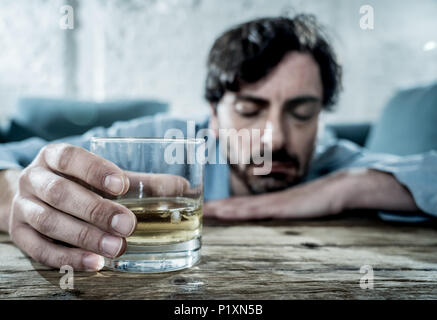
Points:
(285, 107)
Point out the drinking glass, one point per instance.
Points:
(165, 194)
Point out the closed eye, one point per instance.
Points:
(249, 114)
(248, 109)
(301, 117)
(303, 111)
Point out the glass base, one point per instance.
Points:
(157, 258)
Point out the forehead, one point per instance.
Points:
(297, 74)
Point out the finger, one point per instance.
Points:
(71, 198)
(158, 185)
(60, 226)
(219, 209)
(90, 168)
(238, 209)
(226, 213)
(209, 210)
(55, 255)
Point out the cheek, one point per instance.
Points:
(249, 137)
(301, 139)
(226, 118)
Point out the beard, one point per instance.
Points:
(285, 173)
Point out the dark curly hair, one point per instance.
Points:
(249, 51)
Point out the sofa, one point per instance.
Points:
(52, 119)
(408, 123)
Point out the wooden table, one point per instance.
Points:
(319, 259)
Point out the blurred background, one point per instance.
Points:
(156, 49)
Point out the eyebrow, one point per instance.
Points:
(297, 101)
(255, 100)
(292, 102)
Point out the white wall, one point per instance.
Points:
(157, 48)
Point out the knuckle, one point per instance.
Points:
(40, 255)
(96, 213)
(16, 206)
(43, 151)
(54, 191)
(63, 259)
(47, 152)
(96, 172)
(50, 257)
(24, 178)
(43, 221)
(84, 237)
(63, 155)
(30, 179)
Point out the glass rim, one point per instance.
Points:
(148, 140)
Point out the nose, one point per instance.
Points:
(273, 134)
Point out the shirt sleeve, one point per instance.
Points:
(16, 155)
(418, 173)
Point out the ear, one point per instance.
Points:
(213, 121)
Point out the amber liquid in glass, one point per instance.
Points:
(164, 220)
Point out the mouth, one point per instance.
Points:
(284, 168)
(280, 169)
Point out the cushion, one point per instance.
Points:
(52, 119)
(408, 124)
(355, 132)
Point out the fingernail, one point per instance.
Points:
(111, 245)
(114, 183)
(123, 223)
(93, 262)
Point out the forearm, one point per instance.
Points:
(329, 195)
(8, 187)
(373, 189)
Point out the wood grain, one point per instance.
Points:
(319, 259)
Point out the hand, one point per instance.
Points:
(315, 199)
(54, 202)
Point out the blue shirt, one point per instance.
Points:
(418, 173)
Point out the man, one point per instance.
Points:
(275, 75)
